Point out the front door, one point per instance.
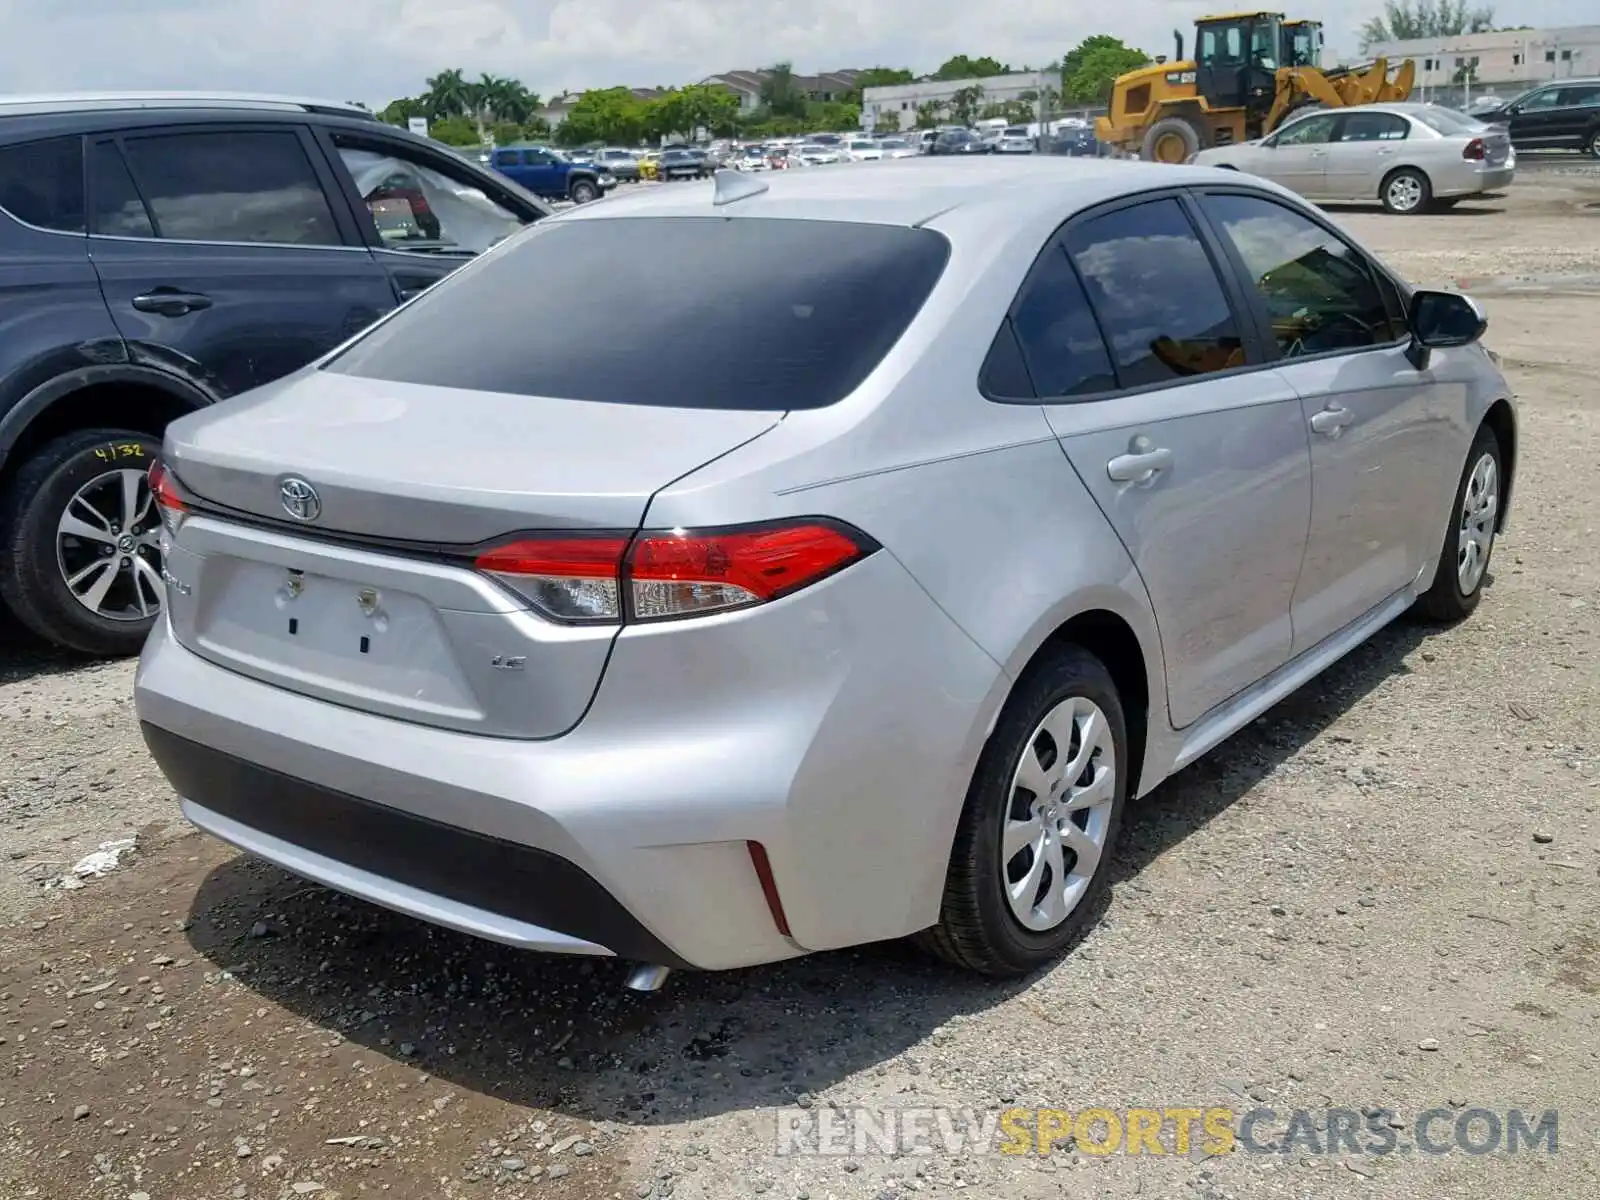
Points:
(1535, 119)
(1200, 468)
(428, 214)
(1297, 155)
(1382, 451)
(222, 256)
(1220, 74)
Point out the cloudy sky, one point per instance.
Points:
(374, 50)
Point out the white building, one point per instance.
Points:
(1507, 61)
(885, 105)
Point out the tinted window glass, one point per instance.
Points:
(416, 206)
(1319, 293)
(1545, 99)
(118, 211)
(1580, 95)
(1374, 127)
(1156, 293)
(761, 314)
(232, 187)
(1309, 131)
(1005, 375)
(1065, 353)
(42, 183)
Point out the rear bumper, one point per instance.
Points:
(1472, 183)
(838, 728)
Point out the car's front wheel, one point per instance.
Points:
(1592, 146)
(1469, 541)
(81, 560)
(583, 191)
(1032, 851)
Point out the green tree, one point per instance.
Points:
(447, 94)
(780, 94)
(929, 114)
(687, 110)
(455, 131)
(962, 67)
(837, 116)
(398, 112)
(966, 102)
(613, 115)
(1091, 67)
(877, 77)
(1404, 20)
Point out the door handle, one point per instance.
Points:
(1139, 466)
(171, 304)
(1332, 420)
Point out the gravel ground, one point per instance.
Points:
(1381, 896)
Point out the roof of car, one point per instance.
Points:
(913, 191)
(73, 102)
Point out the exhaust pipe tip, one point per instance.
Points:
(647, 978)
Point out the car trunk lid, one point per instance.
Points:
(368, 598)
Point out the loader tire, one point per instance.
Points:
(1171, 140)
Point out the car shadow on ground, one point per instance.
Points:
(24, 656)
(562, 1033)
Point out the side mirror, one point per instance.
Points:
(1441, 320)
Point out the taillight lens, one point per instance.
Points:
(1475, 150)
(168, 499)
(665, 574)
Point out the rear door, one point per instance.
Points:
(1364, 150)
(1572, 121)
(422, 213)
(1198, 460)
(224, 252)
(1383, 461)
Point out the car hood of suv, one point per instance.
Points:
(420, 463)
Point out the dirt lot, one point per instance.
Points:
(1382, 895)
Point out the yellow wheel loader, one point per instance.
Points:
(1250, 71)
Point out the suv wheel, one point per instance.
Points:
(1032, 853)
(81, 536)
(583, 192)
(1593, 145)
(1469, 541)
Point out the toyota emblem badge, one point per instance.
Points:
(300, 499)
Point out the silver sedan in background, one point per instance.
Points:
(1409, 157)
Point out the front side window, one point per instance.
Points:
(420, 207)
(1374, 127)
(763, 314)
(237, 186)
(1545, 99)
(42, 183)
(1319, 294)
(1157, 295)
(1311, 131)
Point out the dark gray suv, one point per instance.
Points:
(160, 252)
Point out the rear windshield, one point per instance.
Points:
(1449, 122)
(678, 312)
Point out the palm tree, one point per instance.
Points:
(447, 94)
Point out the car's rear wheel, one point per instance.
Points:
(1032, 851)
(1406, 192)
(583, 192)
(1469, 541)
(82, 560)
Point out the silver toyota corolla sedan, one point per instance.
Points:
(845, 589)
(1411, 158)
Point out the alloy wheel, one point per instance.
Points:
(1405, 193)
(108, 547)
(1058, 817)
(1480, 505)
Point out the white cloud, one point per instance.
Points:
(376, 49)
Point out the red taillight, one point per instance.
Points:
(1475, 150)
(168, 500)
(670, 573)
(769, 885)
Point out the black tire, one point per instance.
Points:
(976, 929)
(1420, 186)
(1445, 600)
(583, 191)
(1158, 135)
(31, 574)
(1592, 146)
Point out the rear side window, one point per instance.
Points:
(255, 186)
(118, 209)
(42, 183)
(738, 313)
(1158, 297)
(1374, 127)
(1065, 353)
